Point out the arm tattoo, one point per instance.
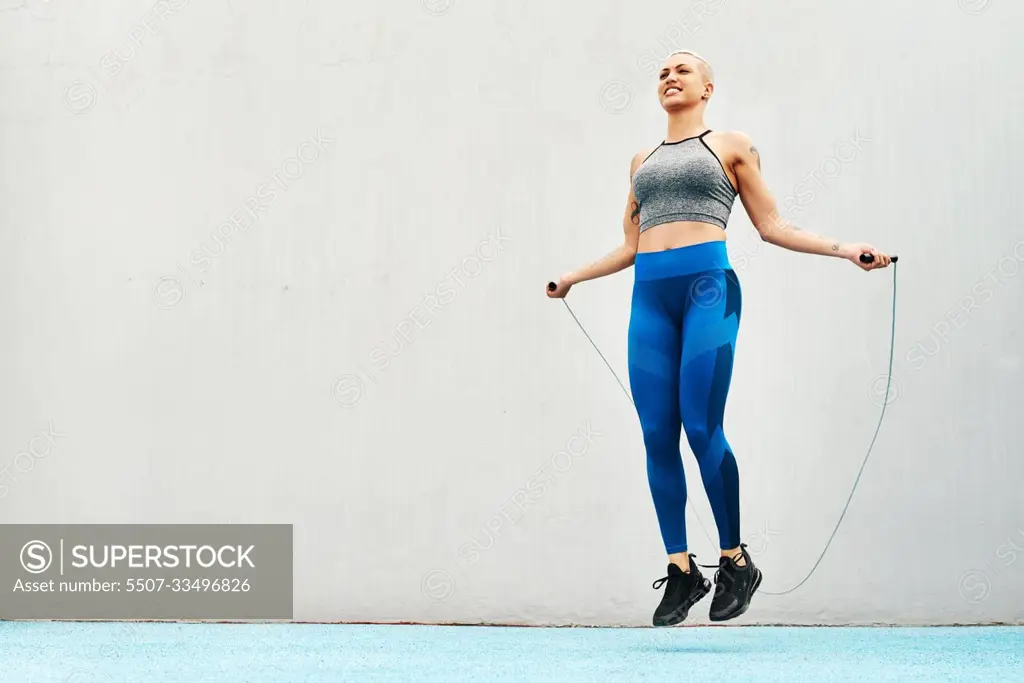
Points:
(753, 150)
(835, 246)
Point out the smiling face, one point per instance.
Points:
(684, 81)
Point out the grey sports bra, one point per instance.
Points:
(683, 181)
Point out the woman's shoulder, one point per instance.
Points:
(732, 138)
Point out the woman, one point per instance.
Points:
(684, 320)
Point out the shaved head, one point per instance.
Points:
(702, 64)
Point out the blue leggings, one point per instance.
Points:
(682, 339)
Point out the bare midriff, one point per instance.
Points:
(678, 234)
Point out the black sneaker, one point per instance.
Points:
(684, 590)
(734, 587)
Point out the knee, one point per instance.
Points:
(661, 437)
(697, 437)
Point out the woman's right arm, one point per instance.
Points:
(621, 257)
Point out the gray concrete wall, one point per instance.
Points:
(284, 262)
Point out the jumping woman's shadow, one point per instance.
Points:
(688, 648)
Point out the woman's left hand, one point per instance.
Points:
(880, 261)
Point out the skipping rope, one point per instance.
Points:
(865, 258)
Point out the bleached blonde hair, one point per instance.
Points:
(705, 69)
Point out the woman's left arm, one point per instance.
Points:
(771, 226)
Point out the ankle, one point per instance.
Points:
(681, 560)
(736, 555)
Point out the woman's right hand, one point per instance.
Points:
(560, 290)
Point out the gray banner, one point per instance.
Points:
(146, 571)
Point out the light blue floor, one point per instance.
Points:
(280, 653)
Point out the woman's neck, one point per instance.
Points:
(687, 123)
